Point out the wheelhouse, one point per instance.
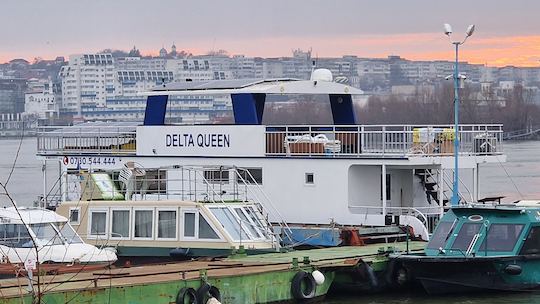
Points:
(499, 230)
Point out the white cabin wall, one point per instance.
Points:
(364, 187)
(401, 188)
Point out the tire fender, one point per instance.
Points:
(309, 289)
(187, 293)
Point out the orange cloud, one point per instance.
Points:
(482, 49)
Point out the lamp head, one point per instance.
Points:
(470, 30)
(447, 29)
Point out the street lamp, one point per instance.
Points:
(468, 33)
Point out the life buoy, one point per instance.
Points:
(307, 289)
(187, 293)
(206, 291)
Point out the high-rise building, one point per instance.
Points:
(87, 81)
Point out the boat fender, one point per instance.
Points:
(309, 289)
(213, 301)
(397, 275)
(513, 269)
(206, 292)
(318, 277)
(187, 293)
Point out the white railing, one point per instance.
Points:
(298, 140)
(382, 140)
(87, 139)
(428, 216)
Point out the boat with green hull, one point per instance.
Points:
(479, 247)
(296, 276)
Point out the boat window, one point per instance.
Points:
(156, 182)
(217, 176)
(143, 223)
(70, 236)
(253, 215)
(310, 178)
(465, 235)
(74, 216)
(120, 224)
(205, 230)
(229, 222)
(440, 236)
(189, 224)
(167, 224)
(15, 235)
(252, 229)
(532, 243)
(98, 222)
(501, 237)
(250, 176)
(46, 234)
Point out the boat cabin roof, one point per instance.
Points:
(254, 86)
(29, 216)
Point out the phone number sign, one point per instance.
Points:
(87, 162)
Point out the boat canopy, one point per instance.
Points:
(249, 96)
(29, 216)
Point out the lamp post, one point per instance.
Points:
(457, 77)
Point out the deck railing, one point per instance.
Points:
(382, 140)
(300, 140)
(118, 140)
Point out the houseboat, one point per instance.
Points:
(322, 180)
(42, 241)
(175, 212)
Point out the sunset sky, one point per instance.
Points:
(508, 32)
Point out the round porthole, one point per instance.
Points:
(475, 218)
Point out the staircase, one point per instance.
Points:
(429, 181)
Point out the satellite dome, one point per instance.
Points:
(322, 75)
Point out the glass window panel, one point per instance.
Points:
(74, 216)
(167, 224)
(68, 233)
(229, 222)
(120, 223)
(143, 223)
(440, 236)
(189, 224)
(252, 229)
(46, 234)
(251, 175)
(465, 235)
(98, 223)
(501, 237)
(15, 235)
(205, 230)
(532, 243)
(253, 215)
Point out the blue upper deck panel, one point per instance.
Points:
(249, 97)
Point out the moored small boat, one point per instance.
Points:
(42, 241)
(480, 247)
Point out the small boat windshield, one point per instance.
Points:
(441, 235)
(46, 234)
(70, 236)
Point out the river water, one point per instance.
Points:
(518, 178)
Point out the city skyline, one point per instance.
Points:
(505, 31)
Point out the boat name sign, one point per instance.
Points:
(200, 140)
